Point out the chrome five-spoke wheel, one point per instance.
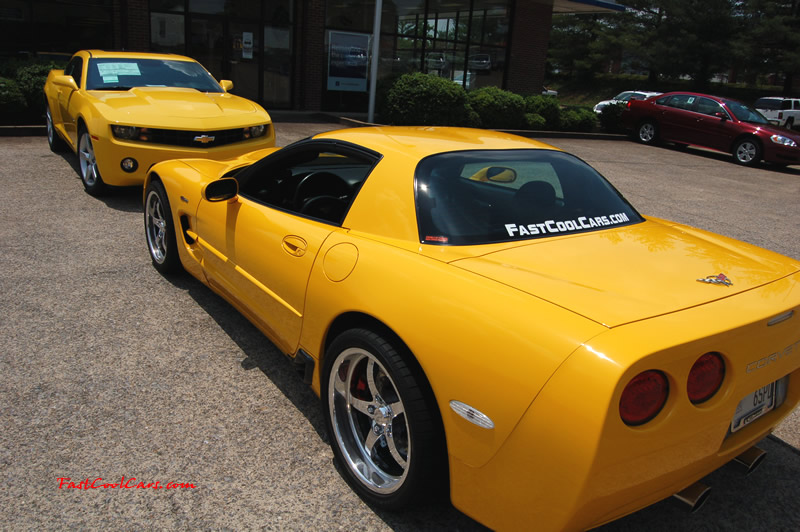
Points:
(159, 229)
(87, 161)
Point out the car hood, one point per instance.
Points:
(776, 130)
(632, 273)
(163, 106)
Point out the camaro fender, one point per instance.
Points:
(572, 464)
(460, 327)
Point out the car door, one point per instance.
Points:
(713, 125)
(263, 244)
(677, 120)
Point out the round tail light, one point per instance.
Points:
(643, 397)
(705, 377)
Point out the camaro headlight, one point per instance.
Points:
(255, 131)
(125, 132)
(784, 141)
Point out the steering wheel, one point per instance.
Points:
(319, 184)
(329, 208)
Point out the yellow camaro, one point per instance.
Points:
(123, 112)
(485, 314)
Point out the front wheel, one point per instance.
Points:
(382, 422)
(160, 230)
(90, 174)
(747, 152)
(647, 133)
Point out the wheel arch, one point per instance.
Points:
(744, 136)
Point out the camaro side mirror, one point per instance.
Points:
(221, 190)
(226, 84)
(65, 81)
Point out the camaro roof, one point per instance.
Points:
(419, 142)
(100, 54)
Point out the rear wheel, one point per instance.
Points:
(56, 143)
(647, 132)
(382, 421)
(790, 123)
(747, 152)
(160, 230)
(90, 174)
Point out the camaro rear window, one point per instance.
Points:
(481, 197)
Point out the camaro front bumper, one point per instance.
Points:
(572, 464)
(110, 152)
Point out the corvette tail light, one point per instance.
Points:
(643, 397)
(705, 377)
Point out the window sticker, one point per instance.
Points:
(690, 100)
(110, 79)
(118, 69)
(566, 226)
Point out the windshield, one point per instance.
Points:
(745, 113)
(481, 197)
(126, 73)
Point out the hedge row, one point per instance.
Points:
(425, 99)
(22, 96)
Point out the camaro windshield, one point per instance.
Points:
(481, 197)
(126, 73)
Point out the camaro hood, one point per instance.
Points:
(163, 106)
(631, 273)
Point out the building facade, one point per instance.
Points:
(307, 54)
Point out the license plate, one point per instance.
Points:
(753, 406)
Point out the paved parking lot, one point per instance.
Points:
(109, 369)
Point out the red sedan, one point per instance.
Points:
(712, 122)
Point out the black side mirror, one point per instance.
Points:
(721, 115)
(221, 190)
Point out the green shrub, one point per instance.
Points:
(424, 99)
(578, 119)
(11, 98)
(535, 121)
(497, 108)
(31, 80)
(546, 106)
(611, 118)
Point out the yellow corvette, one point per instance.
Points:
(123, 112)
(486, 316)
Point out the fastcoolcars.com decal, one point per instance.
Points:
(565, 226)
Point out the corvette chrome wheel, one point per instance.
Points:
(87, 161)
(159, 229)
(382, 421)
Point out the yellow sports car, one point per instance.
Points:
(486, 316)
(123, 112)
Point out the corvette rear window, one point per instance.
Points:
(481, 197)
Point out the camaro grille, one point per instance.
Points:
(197, 139)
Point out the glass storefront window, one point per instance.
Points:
(355, 15)
(167, 33)
(167, 5)
(236, 8)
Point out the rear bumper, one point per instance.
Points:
(572, 464)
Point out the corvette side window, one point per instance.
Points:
(312, 183)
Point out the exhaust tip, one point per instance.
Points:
(751, 459)
(694, 496)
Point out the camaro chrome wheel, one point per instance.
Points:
(90, 175)
(159, 229)
(381, 429)
(747, 152)
(55, 142)
(647, 132)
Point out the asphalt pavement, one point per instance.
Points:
(110, 370)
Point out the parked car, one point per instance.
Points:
(480, 62)
(711, 122)
(122, 112)
(623, 97)
(486, 317)
(780, 111)
(549, 92)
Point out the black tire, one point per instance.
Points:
(391, 460)
(87, 165)
(159, 229)
(747, 152)
(647, 132)
(56, 143)
(789, 123)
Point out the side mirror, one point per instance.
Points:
(495, 174)
(221, 190)
(227, 85)
(65, 81)
(721, 115)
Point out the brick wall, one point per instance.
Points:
(131, 19)
(530, 33)
(310, 55)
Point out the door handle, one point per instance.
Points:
(294, 245)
